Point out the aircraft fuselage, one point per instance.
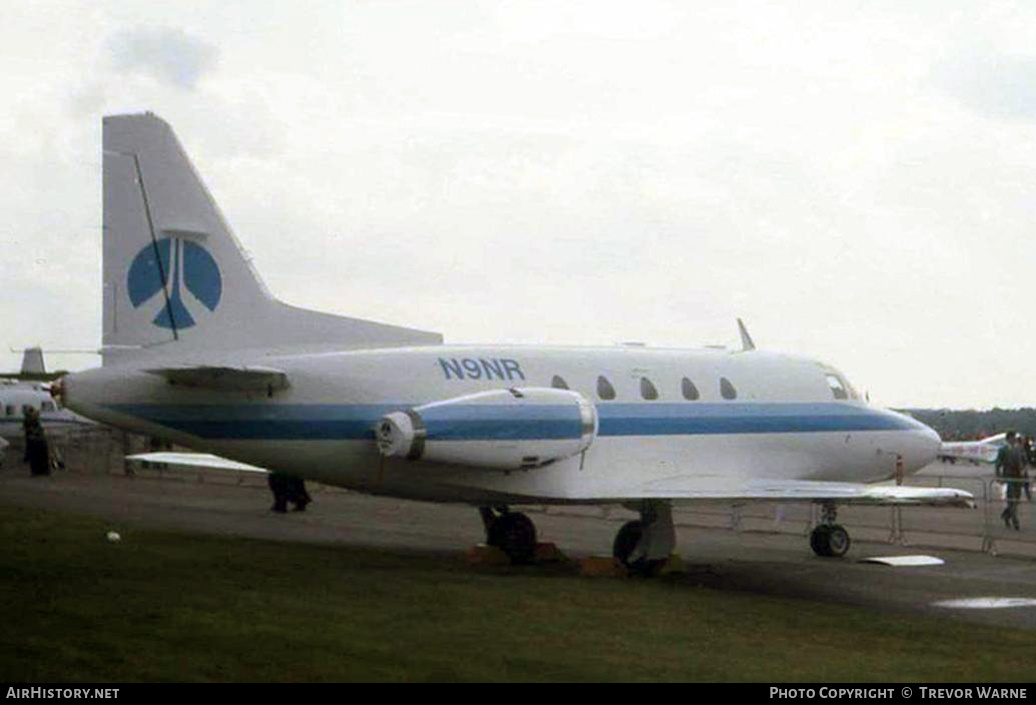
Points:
(659, 414)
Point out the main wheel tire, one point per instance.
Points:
(838, 541)
(514, 534)
(830, 541)
(818, 540)
(626, 540)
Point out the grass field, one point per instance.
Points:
(164, 606)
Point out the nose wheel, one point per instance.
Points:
(829, 540)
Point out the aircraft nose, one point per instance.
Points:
(915, 443)
(922, 449)
(930, 445)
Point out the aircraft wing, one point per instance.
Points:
(242, 379)
(681, 489)
(191, 461)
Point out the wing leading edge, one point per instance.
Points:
(682, 489)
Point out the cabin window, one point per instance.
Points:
(647, 389)
(690, 392)
(558, 382)
(10, 409)
(837, 387)
(726, 389)
(605, 390)
(26, 408)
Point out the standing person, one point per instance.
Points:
(1029, 460)
(37, 454)
(1009, 465)
(280, 485)
(297, 493)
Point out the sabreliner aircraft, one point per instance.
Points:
(196, 350)
(19, 395)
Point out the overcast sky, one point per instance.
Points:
(854, 180)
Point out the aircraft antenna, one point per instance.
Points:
(746, 339)
(154, 246)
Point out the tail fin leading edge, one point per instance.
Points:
(174, 274)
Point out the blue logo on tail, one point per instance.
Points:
(189, 269)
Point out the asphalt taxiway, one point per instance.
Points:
(766, 553)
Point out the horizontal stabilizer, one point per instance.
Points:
(240, 379)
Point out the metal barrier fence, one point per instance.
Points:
(979, 529)
(975, 529)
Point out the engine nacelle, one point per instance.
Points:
(505, 429)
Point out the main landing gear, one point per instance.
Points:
(643, 546)
(829, 539)
(511, 532)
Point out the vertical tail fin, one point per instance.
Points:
(174, 275)
(32, 362)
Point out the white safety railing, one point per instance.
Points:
(979, 529)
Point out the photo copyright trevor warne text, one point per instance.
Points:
(905, 692)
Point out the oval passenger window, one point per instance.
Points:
(726, 389)
(690, 392)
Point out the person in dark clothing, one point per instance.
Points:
(1010, 463)
(297, 493)
(280, 486)
(1028, 461)
(287, 488)
(37, 453)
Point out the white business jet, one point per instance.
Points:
(197, 351)
(979, 452)
(24, 391)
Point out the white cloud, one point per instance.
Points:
(991, 83)
(167, 54)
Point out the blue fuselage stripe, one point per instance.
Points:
(482, 422)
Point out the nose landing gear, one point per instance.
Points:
(829, 540)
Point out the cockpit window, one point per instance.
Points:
(689, 391)
(605, 390)
(647, 389)
(559, 382)
(47, 406)
(726, 389)
(837, 387)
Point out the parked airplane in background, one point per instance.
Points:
(16, 396)
(197, 351)
(977, 452)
